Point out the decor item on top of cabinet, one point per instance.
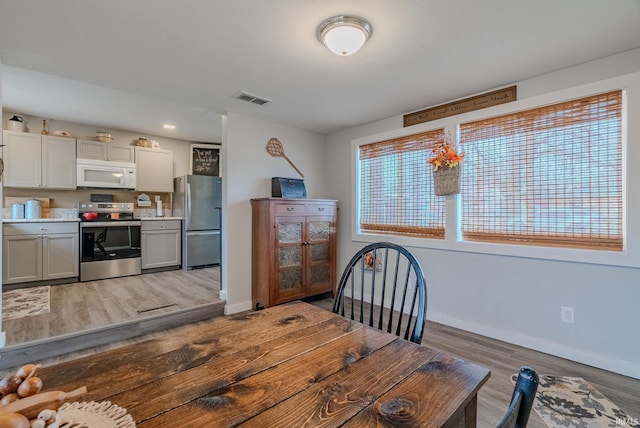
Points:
(103, 136)
(274, 148)
(446, 163)
(15, 123)
(144, 142)
(62, 134)
(288, 188)
(205, 160)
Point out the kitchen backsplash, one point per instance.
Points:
(64, 203)
(53, 212)
(73, 213)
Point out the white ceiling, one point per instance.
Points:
(137, 64)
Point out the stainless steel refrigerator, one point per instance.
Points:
(198, 200)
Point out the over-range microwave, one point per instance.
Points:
(106, 174)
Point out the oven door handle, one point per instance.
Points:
(109, 223)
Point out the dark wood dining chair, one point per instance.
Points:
(384, 286)
(524, 393)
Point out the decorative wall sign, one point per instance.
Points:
(205, 160)
(477, 102)
(373, 261)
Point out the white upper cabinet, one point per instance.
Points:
(36, 161)
(154, 170)
(88, 149)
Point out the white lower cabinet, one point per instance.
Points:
(160, 243)
(39, 252)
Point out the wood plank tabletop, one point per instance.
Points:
(290, 365)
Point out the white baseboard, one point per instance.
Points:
(238, 307)
(623, 367)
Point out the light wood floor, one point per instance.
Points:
(504, 359)
(501, 358)
(93, 304)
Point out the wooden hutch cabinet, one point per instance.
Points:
(293, 249)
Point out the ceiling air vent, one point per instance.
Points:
(245, 96)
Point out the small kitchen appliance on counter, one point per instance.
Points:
(109, 240)
(17, 210)
(159, 210)
(32, 208)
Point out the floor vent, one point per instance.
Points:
(156, 308)
(245, 96)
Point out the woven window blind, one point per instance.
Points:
(396, 187)
(547, 176)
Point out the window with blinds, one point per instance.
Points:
(547, 176)
(396, 187)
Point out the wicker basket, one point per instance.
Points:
(446, 181)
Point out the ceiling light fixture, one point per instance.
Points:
(168, 126)
(344, 35)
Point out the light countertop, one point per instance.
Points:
(40, 220)
(160, 218)
(74, 220)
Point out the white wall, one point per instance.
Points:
(518, 298)
(248, 171)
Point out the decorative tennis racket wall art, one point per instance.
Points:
(275, 149)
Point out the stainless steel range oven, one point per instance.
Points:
(109, 240)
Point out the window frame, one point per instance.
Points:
(495, 223)
(406, 148)
(630, 254)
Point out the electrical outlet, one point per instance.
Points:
(566, 314)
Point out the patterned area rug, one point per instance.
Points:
(25, 302)
(572, 402)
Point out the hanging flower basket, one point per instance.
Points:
(446, 163)
(446, 180)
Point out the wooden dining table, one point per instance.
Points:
(291, 365)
